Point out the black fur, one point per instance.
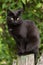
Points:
(24, 32)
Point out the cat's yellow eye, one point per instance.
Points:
(17, 19)
(12, 19)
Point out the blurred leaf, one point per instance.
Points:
(38, 5)
(8, 0)
(0, 17)
(24, 1)
(1, 30)
(28, 1)
(4, 6)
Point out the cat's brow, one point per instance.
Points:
(10, 17)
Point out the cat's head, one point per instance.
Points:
(14, 16)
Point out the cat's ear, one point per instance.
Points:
(19, 12)
(10, 12)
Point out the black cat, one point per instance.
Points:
(24, 32)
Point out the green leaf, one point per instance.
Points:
(38, 5)
(24, 1)
(28, 1)
(4, 6)
(1, 30)
(8, 0)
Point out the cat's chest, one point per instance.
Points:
(23, 30)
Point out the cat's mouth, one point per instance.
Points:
(17, 23)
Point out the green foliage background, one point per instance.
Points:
(33, 11)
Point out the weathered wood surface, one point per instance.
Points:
(40, 60)
(25, 60)
(28, 59)
(14, 62)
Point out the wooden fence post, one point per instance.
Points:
(25, 60)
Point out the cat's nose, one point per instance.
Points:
(15, 21)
